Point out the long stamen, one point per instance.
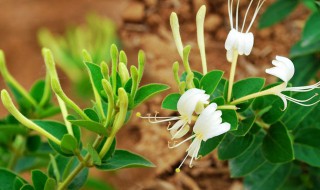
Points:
(176, 145)
(260, 3)
(178, 168)
(245, 16)
(303, 88)
(306, 100)
(176, 134)
(237, 15)
(155, 118)
(299, 101)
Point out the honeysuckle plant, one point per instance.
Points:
(57, 147)
(259, 129)
(96, 36)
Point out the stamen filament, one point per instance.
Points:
(185, 140)
(296, 100)
(255, 13)
(245, 16)
(237, 15)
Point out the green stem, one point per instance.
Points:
(79, 168)
(8, 104)
(106, 146)
(274, 90)
(232, 73)
(227, 107)
(12, 82)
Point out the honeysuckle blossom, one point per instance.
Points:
(193, 100)
(284, 69)
(240, 39)
(209, 124)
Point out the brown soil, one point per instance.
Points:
(145, 25)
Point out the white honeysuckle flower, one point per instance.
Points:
(193, 100)
(208, 125)
(284, 69)
(238, 39)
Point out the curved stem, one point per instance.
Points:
(232, 73)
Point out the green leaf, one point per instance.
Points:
(89, 125)
(230, 116)
(277, 146)
(65, 166)
(94, 155)
(96, 184)
(244, 126)
(33, 142)
(296, 113)
(124, 159)
(308, 66)
(58, 130)
(299, 50)
(37, 90)
(96, 76)
(50, 184)
(8, 179)
(306, 146)
(210, 81)
(39, 179)
(209, 145)
(233, 146)
(170, 102)
(91, 114)
(277, 12)
(220, 89)
(68, 143)
(26, 187)
(147, 91)
(197, 75)
(268, 176)
(111, 150)
(250, 160)
(311, 31)
(245, 87)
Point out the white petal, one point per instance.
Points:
(204, 121)
(229, 55)
(249, 43)
(231, 40)
(194, 147)
(217, 130)
(278, 72)
(287, 62)
(177, 125)
(241, 43)
(180, 133)
(188, 101)
(285, 103)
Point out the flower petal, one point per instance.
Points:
(249, 43)
(278, 72)
(217, 130)
(231, 40)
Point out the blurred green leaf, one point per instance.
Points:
(91, 114)
(68, 143)
(311, 31)
(277, 12)
(308, 66)
(95, 184)
(8, 179)
(244, 126)
(299, 50)
(89, 125)
(230, 116)
(94, 155)
(96, 76)
(33, 142)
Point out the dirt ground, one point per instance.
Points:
(144, 25)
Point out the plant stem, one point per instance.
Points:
(232, 73)
(106, 146)
(79, 168)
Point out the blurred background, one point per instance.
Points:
(67, 27)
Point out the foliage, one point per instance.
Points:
(30, 141)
